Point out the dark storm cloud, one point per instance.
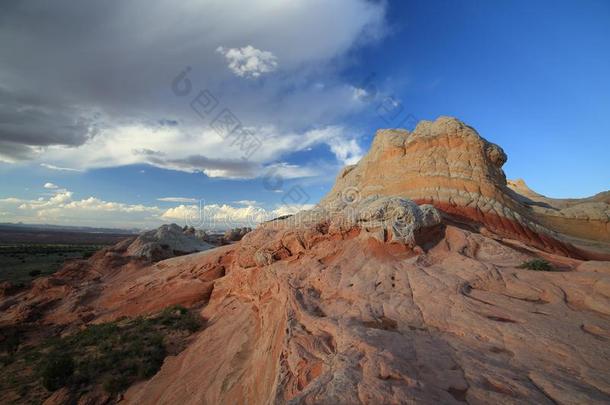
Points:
(40, 46)
(11, 152)
(231, 168)
(27, 120)
(72, 70)
(66, 64)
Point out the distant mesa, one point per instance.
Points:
(586, 218)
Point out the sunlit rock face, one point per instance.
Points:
(402, 286)
(448, 164)
(341, 306)
(405, 285)
(586, 218)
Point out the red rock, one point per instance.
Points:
(448, 164)
(370, 298)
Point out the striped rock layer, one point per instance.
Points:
(446, 163)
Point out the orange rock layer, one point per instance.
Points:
(366, 299)
(448, 164)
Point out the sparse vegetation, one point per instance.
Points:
(10, 338)
(109, 356)
(57, 370)
(537, 264)
(24, 262)
(179, 318)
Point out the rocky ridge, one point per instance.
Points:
(446, 163)
(587, 218)
(403, 286)
(168, 241)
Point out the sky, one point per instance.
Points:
(227, 113)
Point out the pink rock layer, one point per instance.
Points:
(448, 164)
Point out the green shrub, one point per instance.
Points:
(57, 370)
(537, 264)
(34, 273)
(115, 383)
(111, 356)
(179, 318)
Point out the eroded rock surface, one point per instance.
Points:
(168, 241)
(404, 286)
(336, 314)
(235, 234)
(587, 218)
(448, 164)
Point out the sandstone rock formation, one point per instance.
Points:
(235, 234)
(372, 297)
(167, 241)
(585, 218)
(448, 164)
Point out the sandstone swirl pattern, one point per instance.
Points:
(403, 286)
(448, 164)
(317, 311)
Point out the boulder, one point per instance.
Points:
(235, 234)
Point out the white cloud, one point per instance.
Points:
(246, 202)
(63, 208)
(220, 216)
(248, 61)
(122, 110)
(11, 200)
(50, 186)
(289, 171)
(63, 169)
(178, 199)
(110, 111)
(137, 144)
(360, 93)
(347, 151)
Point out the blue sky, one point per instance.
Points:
(92, 114)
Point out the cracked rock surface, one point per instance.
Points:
(338, 316)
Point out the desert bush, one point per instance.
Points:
(179, 318)
(57, 369)
(537, 264)
(114, 384)
(124, 353)
(109, 356)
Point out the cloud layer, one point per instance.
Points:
(85, 86)
(61, 207)
(205, 151)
